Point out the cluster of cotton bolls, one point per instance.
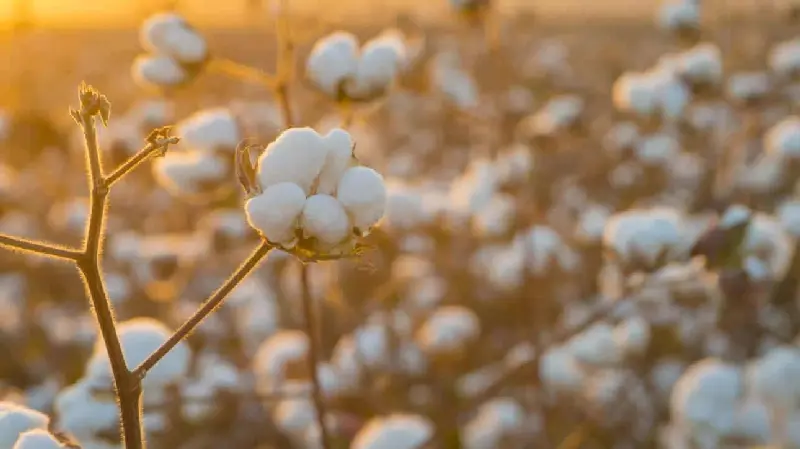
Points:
(606, 227)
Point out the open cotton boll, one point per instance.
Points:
(139, 338)
(448, 329)
(275, 212)
(701, 64)
(497, 217)
(768, 240)
(556, 115)
(325, 219)
(378, 66)
(636, 93)
(398, 431)
(784, 138)
(748, 86)
(15, 420)
(658, 150)
(789, 215)
(362, 192)
(339, 146)
(37, 439)
(276, 354)
(676, 15)
(333, 60)
(632, 335)
(775, 377)
(157, 71)
(591, 223)
(493, 422)
(545, 250)
(514, 164)
(641, 236)
(664, 374)
(452, 81)
(705, 397)
(296, 156)
(209, 130)
(559, 370)
(784, 58)
(753, 422)
(672, 94)
(294, 416)
(188, 172)
(472, 191)
(596, 346)
(171, 35)
(81, 414)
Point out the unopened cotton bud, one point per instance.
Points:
(275, 212)
(339, 146)
(169, 34)
(296, 156)
(158, 71)
(362, 192)
(333, 60)
(325, 219)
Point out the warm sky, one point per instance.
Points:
(99, 12)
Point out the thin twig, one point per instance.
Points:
(209, 306)
(134, 161)
(38, 248)
(243, 72)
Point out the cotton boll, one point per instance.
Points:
(158, 71)
(702, 64)
(783, 139)
(546, 250)
(209, 130)
(296, 156)
(658, 150)
(362, 192)
(332, 61)
(377, 68)
(665, 374)
(748, 86)
(276, 355)
(455, 84)
(324, 218)
(37, 439)
(753, 422)
(679, 14)
(635, 92)
(789, 215)
(768, 240)
(393, 432)
(497, 217)
(170, 34)
(294, 416)
(81, 414)
(591, 223)
(139, 338)
(672, 94)
(775, 377)
(784, 58)
(448, 329)
(633, 335)
(596, 346)
(641, 236)
(514, 164)
(493, 421)
(559, 370)
(340, 146)
(15, 420)
(704, 399)
(189, 172)
(275, 212)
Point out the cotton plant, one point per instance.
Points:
(308, 194)
(176, 52)
(205, 159)
(345, 71)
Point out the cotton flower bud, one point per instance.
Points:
(296, 156)
(324, 218)
(37, 439)
(339, 146)
(275, 211)
(362, 192)
(158, 72)
(169, 34)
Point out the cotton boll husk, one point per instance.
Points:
(15, 420)
(209, 130)
(139, 338)
(340, 146)
(362, 192)
(170, 34)
(396, 431)
(276, 210)
(448, 329)
(325, 219)
(275, 354)
(158, 71)
(333, 60)
(296, 156)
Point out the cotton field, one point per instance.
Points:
(492, 232)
